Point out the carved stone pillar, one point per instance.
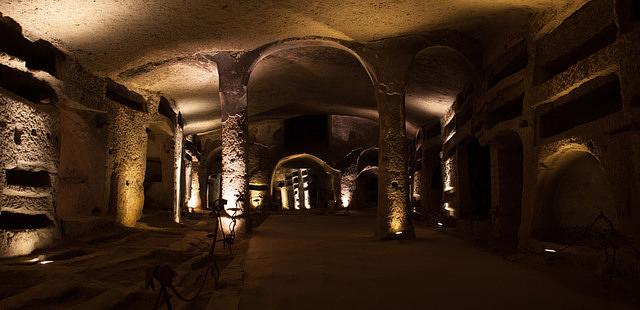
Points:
(235, 121)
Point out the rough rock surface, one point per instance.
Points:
(29, 142)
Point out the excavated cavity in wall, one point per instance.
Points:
(506, 111)
(39, 55)
(596, 99)
(26, 86)
(515, 60)
(584, 33)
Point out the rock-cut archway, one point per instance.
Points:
(309, 160)
(573, 191)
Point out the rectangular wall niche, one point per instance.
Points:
(120, 94)
(596, 99)
(517, 60)
(587, 31)
(27, 178)
(506, 111)
(25, 85)
(604, 38)
(16, 221)
(164, 108)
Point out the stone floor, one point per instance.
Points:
(331, 262)
(107, 269)
(291, 262)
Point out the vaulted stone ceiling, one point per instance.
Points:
(161, 45)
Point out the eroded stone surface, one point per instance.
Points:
(29, 144)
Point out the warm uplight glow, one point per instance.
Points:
(35, 259)
(347, 184)
(234, 167)
(257, 198)
(398, 233)
(450, 136)
(417, 186)
(550, 250)
(440, 224)
(194, 202)
(307, 202)
(447, 207)
(449, 175)
(284, 197)
(296, 199)
(44, 262)
(177, 170)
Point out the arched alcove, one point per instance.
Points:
(365, 195)
(439, 81)
(328, 181)
(573, 191)
(368, 157)
(437, 77)
(309, 78)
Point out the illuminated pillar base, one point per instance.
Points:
(177, 154)
(195, 202)
(234, 164)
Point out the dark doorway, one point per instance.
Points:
(509, 183)
(479, 176)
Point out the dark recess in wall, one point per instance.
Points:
(164, 108)
(16, 221)
(39, 55)
(188, 145)
(449, 127)
(307, 133)
(433, 131)
(28, 178)
(122, 95)
(602, 39)
(595, 100)
(259, 187)
(518, 60)
(26, 86)
(479, 167)
(628, 12)
(153, 171)
(506, 111)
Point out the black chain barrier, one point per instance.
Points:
(607, 242)
(164, 274)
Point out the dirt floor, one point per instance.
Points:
(290, 262)
(331, 262)
(108, 270)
